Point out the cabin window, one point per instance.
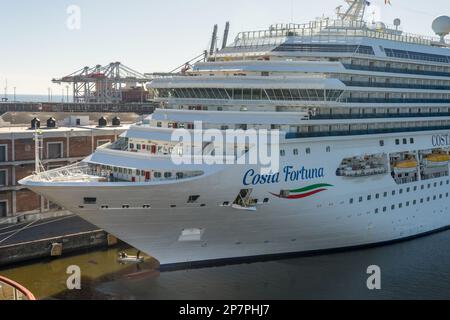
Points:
(193, 199)
(89, 200)
(168, 175)
(157, 175)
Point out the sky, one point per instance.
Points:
(44, 39)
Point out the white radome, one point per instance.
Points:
(441, 25)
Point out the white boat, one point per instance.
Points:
(333, 88)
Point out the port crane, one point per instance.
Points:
(103, 84)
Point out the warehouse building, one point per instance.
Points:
(64, 141)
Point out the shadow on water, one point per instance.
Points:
(416, 269)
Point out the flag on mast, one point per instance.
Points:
(387, 2)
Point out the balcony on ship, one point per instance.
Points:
(84, 172)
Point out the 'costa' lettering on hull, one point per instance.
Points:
(441, 140)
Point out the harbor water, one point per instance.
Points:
(415, 269)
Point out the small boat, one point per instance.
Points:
(437, 160)
(405, 166)
(125, 258)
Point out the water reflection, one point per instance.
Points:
(417, 269)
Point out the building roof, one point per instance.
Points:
(25, 118)
(27, 132)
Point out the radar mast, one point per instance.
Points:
(355, 12)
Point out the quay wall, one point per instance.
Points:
(40, 249)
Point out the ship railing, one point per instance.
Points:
(329, 30)
(77, 172)
(11, 290)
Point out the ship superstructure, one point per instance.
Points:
(364, 115)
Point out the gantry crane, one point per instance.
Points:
(103, 84)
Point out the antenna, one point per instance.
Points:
(292, 11)
(397, 23)
(225, 35)
(38, 146)
(213, 40)
(355, 12)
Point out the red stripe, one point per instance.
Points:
(301, 196)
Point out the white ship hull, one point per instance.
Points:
(327, 220)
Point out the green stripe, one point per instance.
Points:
(309, 188)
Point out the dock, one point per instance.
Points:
(49, 238)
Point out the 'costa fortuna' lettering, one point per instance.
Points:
(288, 174)
(440, 140)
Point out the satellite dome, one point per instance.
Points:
(377, 25)
(380, 25)
(441, 25)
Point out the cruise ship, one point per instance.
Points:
(362, 115)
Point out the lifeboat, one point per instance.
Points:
(406, 166)
(437, 160)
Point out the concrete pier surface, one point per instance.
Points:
(51, 237)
